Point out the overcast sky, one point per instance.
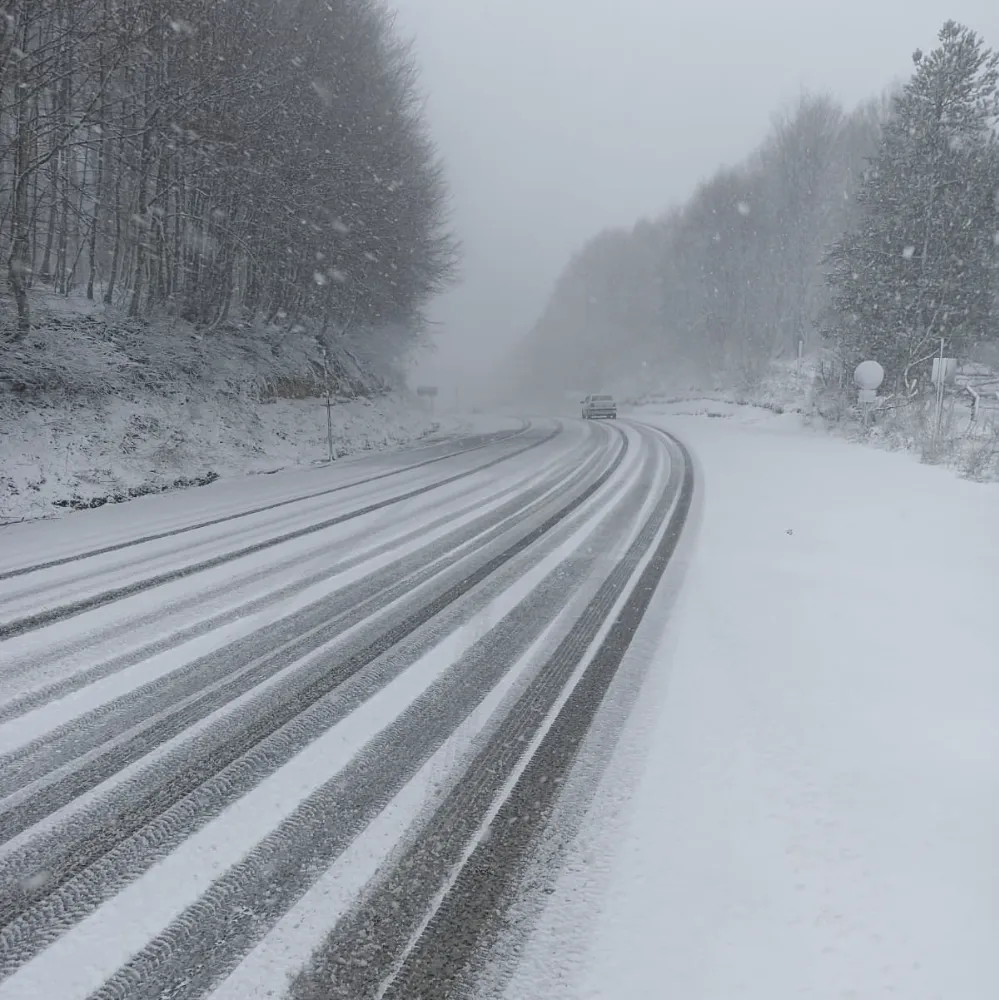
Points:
(559, 117)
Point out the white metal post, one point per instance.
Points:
(329, 424)
(329, 405)
(940, 383)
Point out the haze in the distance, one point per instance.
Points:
(560, 117)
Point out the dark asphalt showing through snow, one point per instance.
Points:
(91, 801)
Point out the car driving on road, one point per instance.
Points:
(596, 406)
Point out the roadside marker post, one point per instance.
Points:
(867, 377)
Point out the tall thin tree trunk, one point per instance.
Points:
(36, 204)
(18, 263)
(160, 274)
(78, 243)
(62, 253)
(102, 152)
(66, 156)
(142, 207)
(98, 206)
(179, 284)
(116, 251)
(45, 273)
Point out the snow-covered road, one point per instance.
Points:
(261, 737)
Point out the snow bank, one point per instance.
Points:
(816, 810)
(967, 440)
(97, 408)
(59, 453)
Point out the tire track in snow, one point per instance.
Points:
(186, 955)
(41, 876)
(154, 622)
(35, 758)
(472, 911)
(360, 959)
(155, 713)
(36, 697)
(480, 441)
(207, 941)
(29, 623)
(67, 584)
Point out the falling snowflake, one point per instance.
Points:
(908, 252)
(35, 881)
(743, 208)
(323, 93)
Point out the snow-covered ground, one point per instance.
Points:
(806, 801)
(966, 438)
(251, 702)
(51, 454)
(803, 803)
(95, 407)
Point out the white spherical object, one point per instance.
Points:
(869, 375)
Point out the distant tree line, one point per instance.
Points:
(864, 234)
(266, 158)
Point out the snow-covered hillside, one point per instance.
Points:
(96, 408)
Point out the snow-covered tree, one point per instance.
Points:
(719, 288)
(213, 159)
(921, 263)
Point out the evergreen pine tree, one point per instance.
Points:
(921, 263)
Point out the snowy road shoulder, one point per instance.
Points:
(816, 813)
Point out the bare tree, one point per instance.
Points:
(724, 285)
(209, 158)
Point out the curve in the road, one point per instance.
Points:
(437, 962)
(29, 623)
(155, 712)
(43, 875)
(574, 557)
(333, 563)
(480, 441)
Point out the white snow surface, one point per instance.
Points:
(291, 942)
(90, 950)
(94, 405)
(86, 449)
(966, 439)
(805, 803)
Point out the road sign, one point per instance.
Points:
(868, 375)
(867, 396)
(426, 390)
(946, 365)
